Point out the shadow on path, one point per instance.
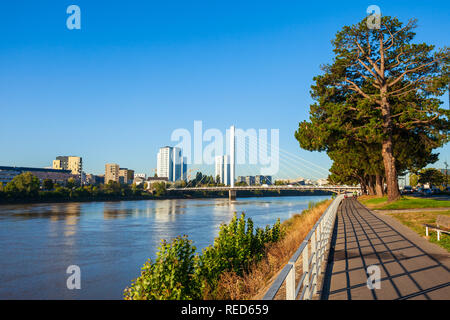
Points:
(410, 267)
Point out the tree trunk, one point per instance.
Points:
(363, 185)
(370, 186)
(390, 170)
(387, 149)
(379, 186)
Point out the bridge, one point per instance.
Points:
(232, 190)
(227, 175)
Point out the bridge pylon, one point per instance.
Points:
(232, 194)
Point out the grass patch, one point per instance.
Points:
(405, 202)
(415, 221)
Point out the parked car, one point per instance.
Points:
(407, 190)
(435, 190)
(427, 192)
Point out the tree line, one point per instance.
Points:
(27, 187)
(431, 176)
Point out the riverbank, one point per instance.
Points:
(43, 198)
(238, 266)
(258, 280)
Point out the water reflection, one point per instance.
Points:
(110, 240)
(113, 210)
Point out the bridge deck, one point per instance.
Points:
(411, 267)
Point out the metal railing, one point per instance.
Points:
(312, 250)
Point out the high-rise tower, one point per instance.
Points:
(232, 155)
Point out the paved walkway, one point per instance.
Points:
(411, 267)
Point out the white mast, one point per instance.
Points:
(232, 155)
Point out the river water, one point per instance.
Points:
(110, 241)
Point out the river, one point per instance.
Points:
(110, 241)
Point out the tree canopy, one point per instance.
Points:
(24, 184)
(377, 110)
(431, 176)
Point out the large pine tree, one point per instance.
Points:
(380, 88)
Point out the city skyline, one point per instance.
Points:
(206, 58)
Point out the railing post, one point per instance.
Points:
(313, 267)
(290, 283)
(312, 250)
(318, 258)
(322, 238)
(305, 258)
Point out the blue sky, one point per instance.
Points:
(137, 70)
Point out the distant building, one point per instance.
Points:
(152, 180)
(140, 175)
(402, 181)
(56, 175)
(72, 163)
(94, 179)
(171, 164)
(218, 172)
(250, 180)
(111, 172)
(222, 169)
(139, 180)
(322, 182)
(127, 175)
(260, 180)
(255, 180)
(100, 179)
(157, 179)
(90, 179)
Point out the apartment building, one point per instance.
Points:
(112, 172)
(72, 163)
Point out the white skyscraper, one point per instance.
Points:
(171, 164)
(223, 169)
(164, 163)
(232, 155)
(225, 165)
(219, 169)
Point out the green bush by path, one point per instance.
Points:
(173, 275)
(179, 273)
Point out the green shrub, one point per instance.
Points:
(172, 276)
(236, 248)
(178, 273)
